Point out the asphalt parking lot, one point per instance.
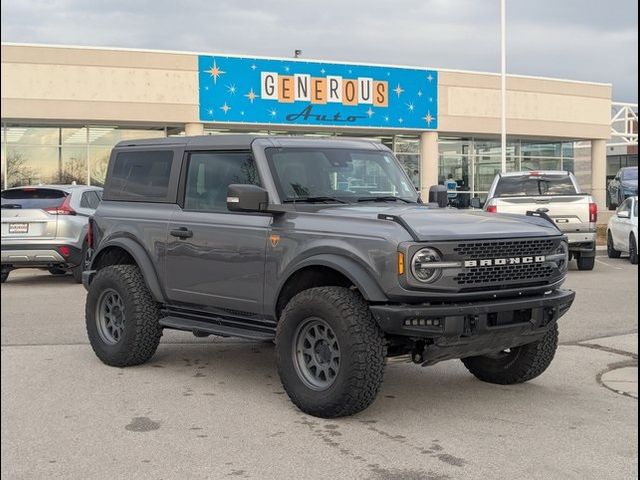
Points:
(214, 408)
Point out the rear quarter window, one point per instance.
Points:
(142, 175)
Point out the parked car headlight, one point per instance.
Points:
(420, 265)
(563, 262)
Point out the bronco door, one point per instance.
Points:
(216, 257)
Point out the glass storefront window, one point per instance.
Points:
(32, 165)
(406, 144)
(111, 135)
(411, 165)
(531, 149)
(98, 163)
(74, 165)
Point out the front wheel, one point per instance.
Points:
(633, 250)
(611, 249)
(515, 365)
(330, 352)
(122, 317)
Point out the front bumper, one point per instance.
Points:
(475, 328)
(40, 255)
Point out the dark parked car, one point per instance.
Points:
(623, 186)
(324, 246)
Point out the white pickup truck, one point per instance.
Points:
(556, 194)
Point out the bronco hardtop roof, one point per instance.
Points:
(244, 141)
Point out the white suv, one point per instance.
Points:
(46, 227)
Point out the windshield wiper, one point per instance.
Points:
(319, 199)
(383, 198)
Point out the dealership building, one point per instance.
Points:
(64, 108)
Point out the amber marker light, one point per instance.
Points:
(400, 263)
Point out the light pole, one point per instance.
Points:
(503, 85)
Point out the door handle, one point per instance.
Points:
(182, 232)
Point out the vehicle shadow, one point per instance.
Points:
(38, 278)
(230, 368)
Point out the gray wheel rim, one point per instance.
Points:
(316, 354)
(110, 316)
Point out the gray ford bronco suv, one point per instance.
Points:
(324, 246)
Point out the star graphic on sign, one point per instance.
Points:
(430, 77)
(273, 112)
(215, 71)
(322, 71)
(400, 120)
(411, 107)
(419, 93)
(386, 118)
(210, 111)
(428, 118)
(398, 90)
(251, 95)
(242, 113)
(225, 108)
(231, 89)
(431, 99)
(254, 66)
(286, 69)
(206, 88)
(370, 112)
(350, 71)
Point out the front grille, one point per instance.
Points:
(504, 248)
(527, 273)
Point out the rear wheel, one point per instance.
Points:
(122, 317)
(515, 365)
(633, 250)
(330, 352)
(611, 250)
(586, 263)
(4, 276)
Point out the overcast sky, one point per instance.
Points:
(594, 40)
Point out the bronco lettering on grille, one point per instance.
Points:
(492, 262)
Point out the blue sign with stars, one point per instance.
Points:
(293, 92)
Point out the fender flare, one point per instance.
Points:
(350, 268)
(142, 259)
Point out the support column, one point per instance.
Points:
(193, 129)
(599, 172)
(428, 162)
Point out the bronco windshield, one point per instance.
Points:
(334, 175)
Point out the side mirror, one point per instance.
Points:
(247, 198)
(475, 202)
(438, 194)
(623, 214)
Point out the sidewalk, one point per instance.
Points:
(623, 376)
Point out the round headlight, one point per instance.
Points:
(563, 263)
(420, 265)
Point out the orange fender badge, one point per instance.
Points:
(274, 240)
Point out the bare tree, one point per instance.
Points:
(74, 170)
(18, 172)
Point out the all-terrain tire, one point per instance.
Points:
(141, 332)
(633, 250)
(4, 276)
(362, 352)
(521, 364)
(611, 250)
(586, 263)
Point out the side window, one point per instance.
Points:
(635, 208)
(210, 173)
(84, 200)
(140, 175)
(626, 206)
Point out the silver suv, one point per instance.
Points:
(46, 226)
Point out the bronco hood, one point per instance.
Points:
(436, 224)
